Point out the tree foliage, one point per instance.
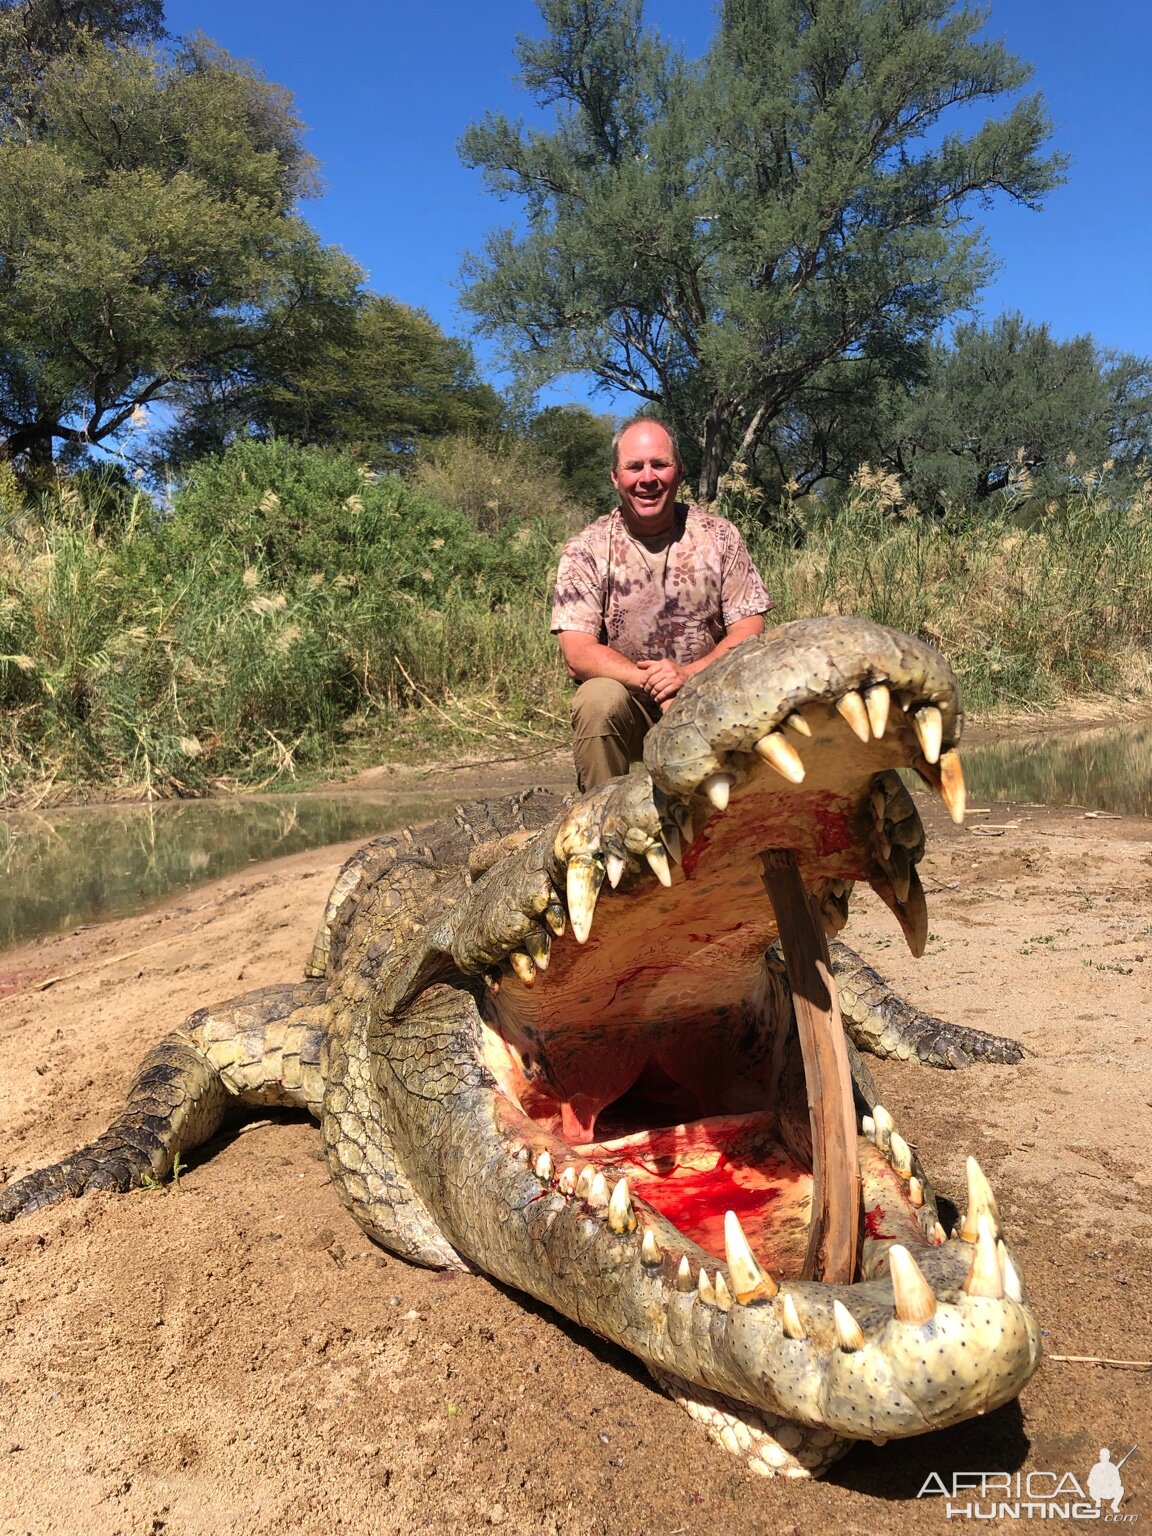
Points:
(148, 225)
(713, 237)
(369, 375)
(1008, 408)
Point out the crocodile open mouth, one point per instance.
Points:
(661, 1024)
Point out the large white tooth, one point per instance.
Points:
(1012, 1287)
(867, 1125)
(796, 722)
(620, 1217)
(884, 1126)
(981, 1202)
(901, 1154)
(716, 788)
(684, 1275)
(782, 756)
(650, 1248)
(916, 1192)
(793, 1327)
(566, 1183)
(952, 788)
(658, 864)
(597, 1196)
(984, 1278)
(877, 701)
(614, 867)
(929, 726)
(851, 708)
(584, 879)
(914, 1298)
(749, 1282)
(723, 1294)
(704, 1288)
(584, 1180)
(544, 1167)
(849, 1334)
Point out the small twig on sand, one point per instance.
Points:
(1139, 1365)
(50, 981)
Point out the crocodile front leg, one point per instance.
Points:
(263, 1048)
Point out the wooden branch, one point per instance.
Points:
(834, 1233)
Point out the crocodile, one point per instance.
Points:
(606, 1050)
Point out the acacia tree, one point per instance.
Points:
(1004, 406)
(711, 237)
(148, 232)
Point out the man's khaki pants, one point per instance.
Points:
(609, 724)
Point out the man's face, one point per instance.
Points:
(646, 478)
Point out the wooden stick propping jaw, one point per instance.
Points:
(834, 1234)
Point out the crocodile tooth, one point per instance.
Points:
(885, 1125)
(658, 864)
(523, 1155)
(867, 1124)
(539, 946)
(952, 788)
(554, 917)
(492, 981)
(650, 1248)
(1012, 1287)
(671, 835)
(849, 1334)
(584, 1180)
(614, 867)
(545, 1167)
(981, 1202)
(914, 1298)
(749, 1282)
(796, 722)
(567, 1181)
(900, 870)
(851, 708)
(984, 1278)
(597, 1195)
(929, 726)
(939, 1235)
(916, 1192)
(523, 965)
(684, 1275)
(620, 1217)
(901, 1155)
(782, 756)
(683, 815)
(912, 915)
(793, 1327)
(584, 880)
(723, 1294)
(716, 788)
(704, 1289)
(877, 701)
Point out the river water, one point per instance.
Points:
(67, 867)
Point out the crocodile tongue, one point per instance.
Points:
(834, 1231)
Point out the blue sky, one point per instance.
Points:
(387, 88)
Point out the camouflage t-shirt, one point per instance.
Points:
(673, 596)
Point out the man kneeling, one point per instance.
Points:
(645, 597)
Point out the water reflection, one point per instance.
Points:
(64, 868)
(1107, 768)
(80, 866)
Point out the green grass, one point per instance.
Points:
(293, 615)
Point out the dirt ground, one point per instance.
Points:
(231, 1355)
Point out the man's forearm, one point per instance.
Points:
(743, 629)
(586, 657)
